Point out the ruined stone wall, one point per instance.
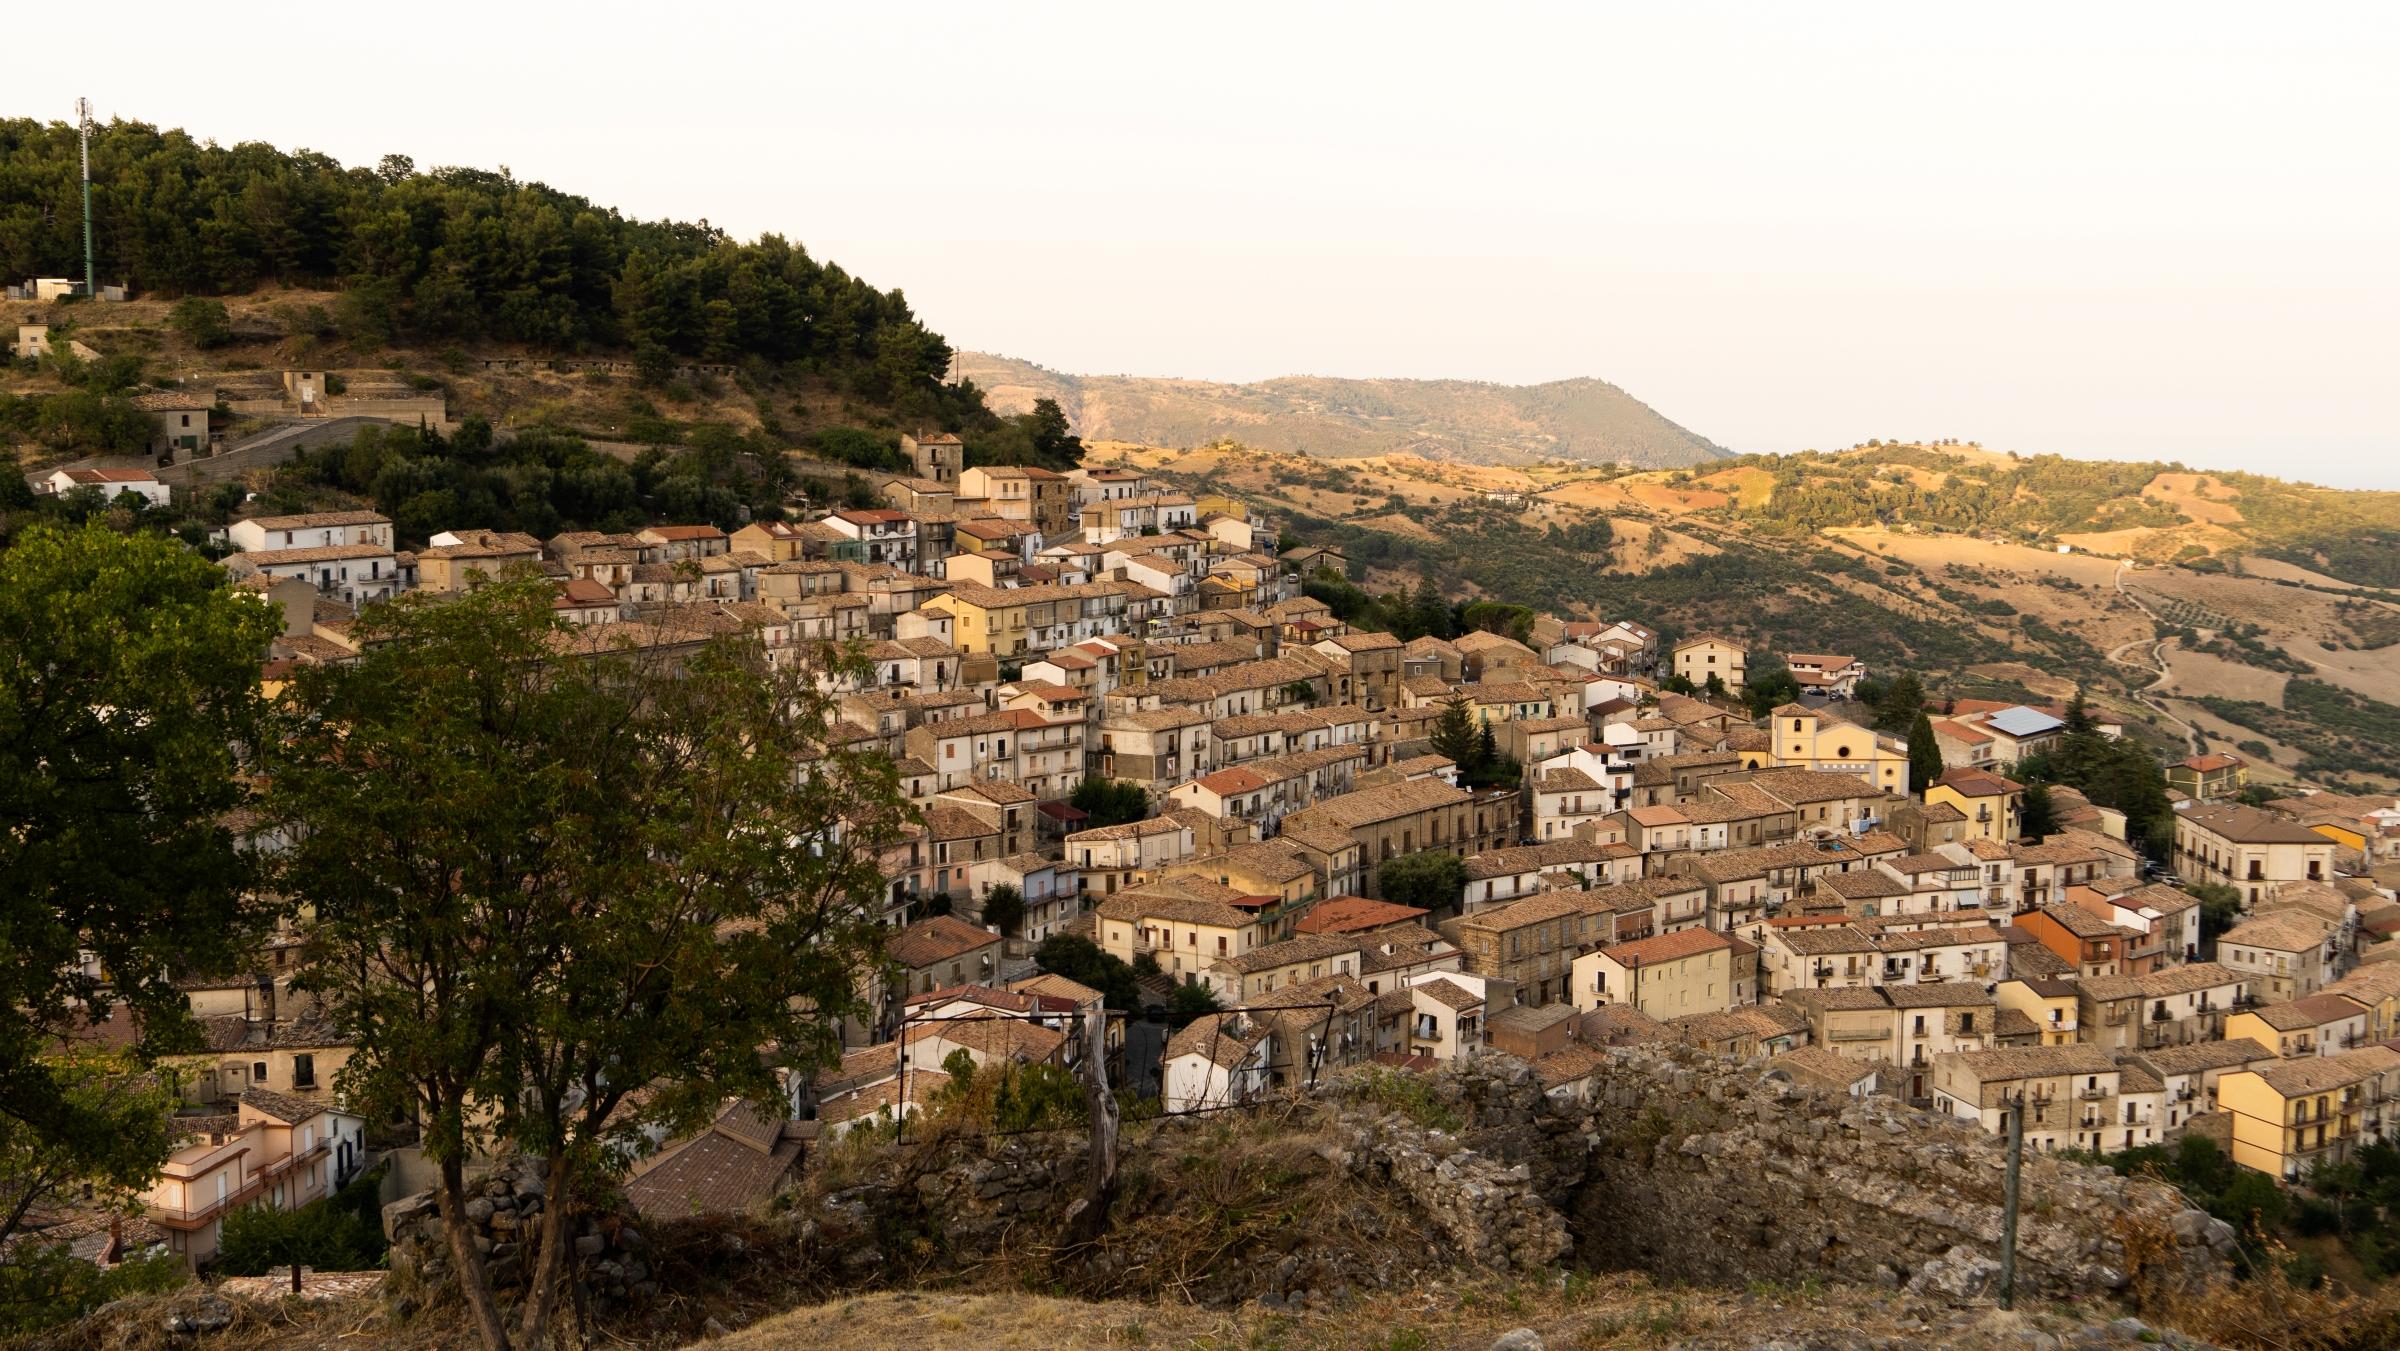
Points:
(1672, 1161)
(608, 1254)
(1692, 1165)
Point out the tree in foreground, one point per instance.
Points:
(554, 879)
(126, 1109)
(128, 690)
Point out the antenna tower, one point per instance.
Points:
(83, 116)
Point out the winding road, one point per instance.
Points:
(2158, 662)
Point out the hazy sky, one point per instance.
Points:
(2161, 231)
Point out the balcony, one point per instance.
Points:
(189, 1217)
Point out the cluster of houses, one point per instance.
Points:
(1666, 867)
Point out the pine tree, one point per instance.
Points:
(2039, 817)
(1429, 612)
(1924, 755)
(1454, 737)
(1901, 703)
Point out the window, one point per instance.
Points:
(258, 1071)
(304, 1071)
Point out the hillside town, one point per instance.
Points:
(1327, 847)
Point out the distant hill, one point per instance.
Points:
(2258, 612)
(1585, 421)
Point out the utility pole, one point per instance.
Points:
(2008, 1203)
(83, 118)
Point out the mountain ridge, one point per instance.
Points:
(1582, 419)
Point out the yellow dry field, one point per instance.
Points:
(1938, 551)
(1476, 478)
(2199, 673)
(1658, 495)
(1394, 524)
(2040, 682)
(1748, 486)
(2202, 497)
(1631, 553)
(1609, 497)
(2276, 569)
(2298, 621)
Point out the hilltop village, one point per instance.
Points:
(1132, 739)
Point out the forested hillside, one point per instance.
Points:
(451, 253)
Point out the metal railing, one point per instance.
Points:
(238, 1197)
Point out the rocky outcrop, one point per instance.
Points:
(1488, 1209)
(1690, 1165)
(608, 1254)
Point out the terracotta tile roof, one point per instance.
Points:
(733, 1167)
(1354, 914)
(937, 939)
(1449, 992)
(1667, 947)
(283, 1107)
(1208, 1036)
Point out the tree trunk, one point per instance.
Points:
(1087, 1219)
(533, 1324)
(451, 1199)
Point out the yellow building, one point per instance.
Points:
(1012, 621)
(1188, 925)
(2289, 1116)
(1804, 738)
(1218, 504)
(2048, 1002)
(1989, 802)
(1666, 976)
(1270, 868)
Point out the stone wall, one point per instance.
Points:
(505, 1208)
(1685, 1164)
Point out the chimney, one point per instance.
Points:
(264, 1005)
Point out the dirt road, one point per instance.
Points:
(2157, 649)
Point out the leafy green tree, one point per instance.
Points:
(43, 1285)
(1110, 802)
(1432, 881)
(1924, 754)
(1902, 701)
(1004, 909)
(319, 1236)
(1190, 1000)
(202, 322)
(129, 695)
(548, 875)
(2038, 818)
(2220, 908)
(125, 1114)
(1769, 685)
(1080, 959)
